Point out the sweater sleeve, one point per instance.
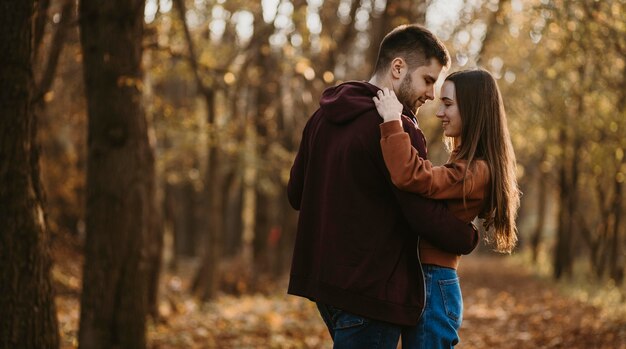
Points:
(429, 219)
(412, 173)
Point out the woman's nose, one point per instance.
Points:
(440, 112)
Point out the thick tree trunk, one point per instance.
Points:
(120, 178)
(206, 281)
(28, 317)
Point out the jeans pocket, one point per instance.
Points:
(452, 299)
(342, 320)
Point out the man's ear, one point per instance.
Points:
(398, 67)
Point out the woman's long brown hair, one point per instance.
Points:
(485, 135)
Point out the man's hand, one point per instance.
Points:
(388, 105)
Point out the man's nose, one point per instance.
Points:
(430, 93)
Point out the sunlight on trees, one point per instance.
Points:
(229, 85)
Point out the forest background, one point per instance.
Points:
(161, 135)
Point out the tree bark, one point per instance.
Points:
(206, 280)
(616, 261)
(542, 197)
(26, 295)
(495, 24)
(120, 178)
(265, 129)
(154, 245)
(562, 255)
(41, 17)
(182, 200)
(58, 40)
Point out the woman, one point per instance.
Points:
(478, 180)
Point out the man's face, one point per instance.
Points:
(418, 87)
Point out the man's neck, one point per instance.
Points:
(381, 82)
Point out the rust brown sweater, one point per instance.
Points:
(412, 173)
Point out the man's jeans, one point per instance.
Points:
(443, 313)
(436, 329)
(352, 331)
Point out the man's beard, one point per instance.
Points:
(406, 95)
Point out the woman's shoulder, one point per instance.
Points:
(478, 167)
(480, 170)
(481, 163)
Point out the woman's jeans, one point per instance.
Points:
(443, 313)
(437, 328)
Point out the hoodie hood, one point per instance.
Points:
(343, 103)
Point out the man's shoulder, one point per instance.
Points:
(409, 123)
(418, 140)
(411, 126)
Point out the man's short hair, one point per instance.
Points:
(413, 43)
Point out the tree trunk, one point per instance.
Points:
(595, 238)
(616, 261)
(26, 296)
(184, 206)
(206, 281)
(120, 178)
(542, 197)
(495, 24)
(249, 207)
(562, 256)
(154, 247)
(58, 40)
(396, 12)
(232, 213)
(265, 120)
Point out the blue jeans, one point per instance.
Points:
(353, 331)
(443, 313)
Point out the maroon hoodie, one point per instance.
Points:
(356, 245)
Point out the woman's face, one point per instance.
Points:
(448, 111)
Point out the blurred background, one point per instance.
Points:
(228, 86)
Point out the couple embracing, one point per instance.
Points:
(381, 229)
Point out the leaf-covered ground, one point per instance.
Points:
(505, 307)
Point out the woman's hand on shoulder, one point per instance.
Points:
(388, 105)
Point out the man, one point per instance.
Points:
(356, 247)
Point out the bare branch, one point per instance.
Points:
(58, 41)
(41, 17)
